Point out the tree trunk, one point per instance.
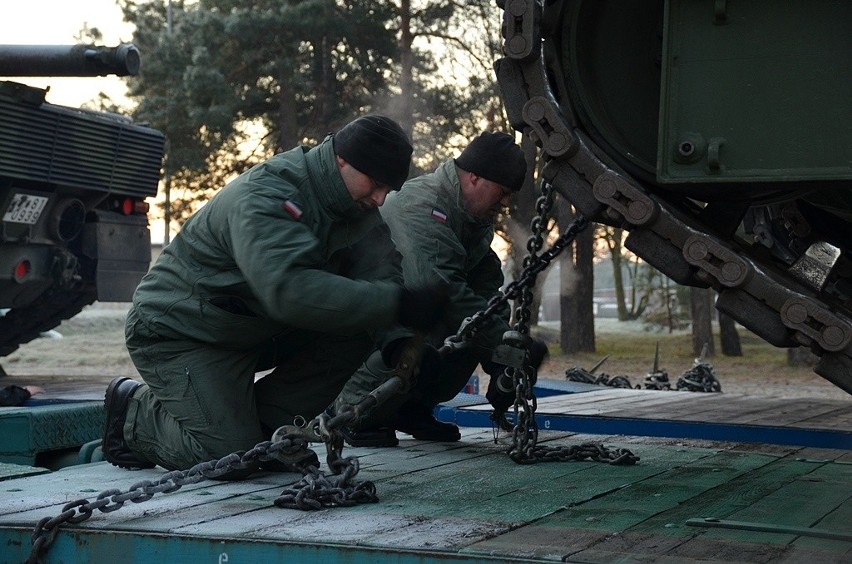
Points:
(614, 244)
(576, 289)
(729, 337)
(701, 307)
(406, 73)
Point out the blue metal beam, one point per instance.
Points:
(605, 425)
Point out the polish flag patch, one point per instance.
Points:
(292, 208)
(438, 215)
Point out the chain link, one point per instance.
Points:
(314, 491)
(532, 267)
(524, 448)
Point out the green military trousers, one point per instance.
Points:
(203, 402)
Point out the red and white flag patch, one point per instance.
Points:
(438, 215)
(292, 208)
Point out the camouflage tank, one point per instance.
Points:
(73, 185)
(717, 134)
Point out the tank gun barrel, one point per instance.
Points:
(68, 60)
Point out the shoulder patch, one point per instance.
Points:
(439, 215)
(292, 208)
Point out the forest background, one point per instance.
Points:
(232, 82)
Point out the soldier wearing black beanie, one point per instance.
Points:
(442, 223)
(376, 146)
(495, 157)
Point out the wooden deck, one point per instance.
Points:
(820, 423)
(721, 478)
(468, 501)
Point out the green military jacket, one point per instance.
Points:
(283, 247)
(440, 241)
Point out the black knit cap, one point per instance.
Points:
(378, 147)
(495, 157)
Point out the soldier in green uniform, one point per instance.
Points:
(443, 224)
(290, 268)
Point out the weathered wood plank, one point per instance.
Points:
(822, 487)
(839, 418)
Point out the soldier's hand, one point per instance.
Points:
(422, 308)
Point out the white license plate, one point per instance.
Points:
(25, 208)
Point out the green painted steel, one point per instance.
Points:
(32, 431)
(756, 91)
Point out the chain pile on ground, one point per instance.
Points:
(314, 491)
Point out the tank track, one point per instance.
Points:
(666, 232)
(21, 325)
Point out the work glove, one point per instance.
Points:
(501, 394)
(422, 308)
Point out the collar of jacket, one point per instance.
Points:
(328, 185)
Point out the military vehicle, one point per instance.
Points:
(717, 134)
(73, 184)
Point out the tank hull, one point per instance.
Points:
(73, 185)
(711, 138)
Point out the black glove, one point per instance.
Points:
(422, 308)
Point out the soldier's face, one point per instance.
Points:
(367, 192)
(484, 198)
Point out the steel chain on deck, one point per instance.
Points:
(524, 448)
(314, 491)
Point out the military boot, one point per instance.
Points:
(116, 401)
(418, 420)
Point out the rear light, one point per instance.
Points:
(130, 206)
(22, 270)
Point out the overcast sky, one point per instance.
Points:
(56, 22)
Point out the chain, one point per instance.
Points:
(525, 431)
(314, 491)
(532, 267)
(524, 448)
(289, 445)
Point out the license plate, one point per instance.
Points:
(25, 208)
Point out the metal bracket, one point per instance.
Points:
(816, 323)
(633, 204)
(717, 260)
(549, 130)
